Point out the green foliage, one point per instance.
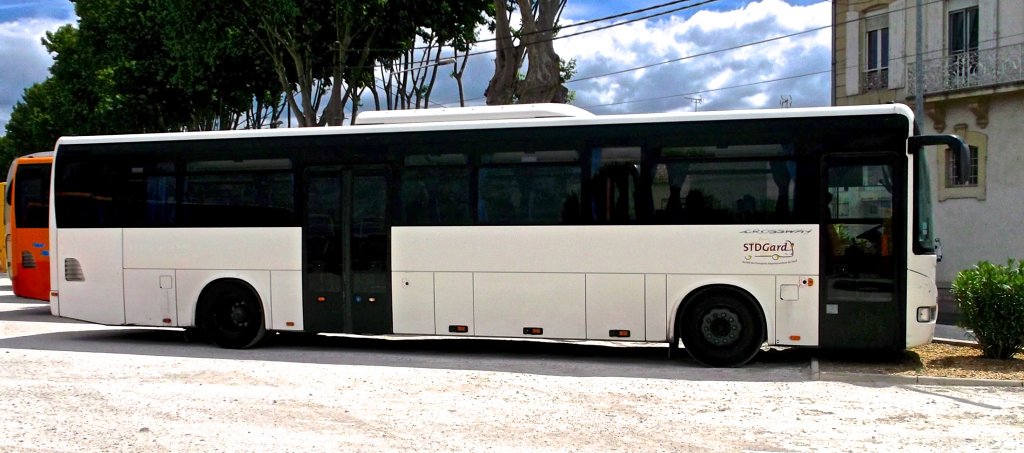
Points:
(991, 303)
(136, 66)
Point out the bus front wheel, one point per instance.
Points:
(721, 328)
(232, 316)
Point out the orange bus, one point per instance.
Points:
(27, 207)
(3, 232)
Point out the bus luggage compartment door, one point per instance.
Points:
(796, 310)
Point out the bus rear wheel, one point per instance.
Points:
(721, 328)
(232, 315)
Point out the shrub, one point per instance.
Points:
(991, 302)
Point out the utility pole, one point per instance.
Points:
(919, 70)
(697, 100)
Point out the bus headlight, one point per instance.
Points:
(926, 314)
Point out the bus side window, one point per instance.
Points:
(615, 183)
(529, 188)
(736, 192)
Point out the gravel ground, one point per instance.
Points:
(934, 360)
(68, 386)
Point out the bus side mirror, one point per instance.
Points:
(917, 142)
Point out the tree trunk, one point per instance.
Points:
(542, 82)
(543, 79)
(501, 88)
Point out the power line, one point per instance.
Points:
(617, 24)
(674, 60)
(710, 90)
(811, 30)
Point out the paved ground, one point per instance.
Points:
(68, 386)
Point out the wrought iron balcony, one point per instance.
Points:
(877, 79)
(973, 69)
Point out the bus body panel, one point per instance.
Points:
(635, 249)
(454, 292)
(616, 306)
(198, 256)
(213, 248)
(416, 313)
(796, 310)
(601, 277)
(99, 296)
(27, 239)
(286, 300)
(509, 303)
(656, 307)
(164, 271)
(922, 293)
(150, 297)
(30, 262)
(4, 246)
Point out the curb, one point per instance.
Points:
(863, 378)
(955, 342)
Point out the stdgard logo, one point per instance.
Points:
(769, 252)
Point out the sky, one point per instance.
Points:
(706, 55)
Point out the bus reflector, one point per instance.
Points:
(290, 323)
(794, 337)
(458, 329)
(321, 299)
(533, 331)
(618, 333)
(54, 293)
(167, 320)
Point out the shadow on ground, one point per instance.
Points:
(555, 358)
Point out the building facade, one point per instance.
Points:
(973, 86)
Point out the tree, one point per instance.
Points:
(546, 73)
(409, 79)
(227, 78)
(321, 47)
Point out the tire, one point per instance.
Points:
(232, 315)
(721, 328)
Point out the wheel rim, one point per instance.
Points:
(237, 315)
(721, 326)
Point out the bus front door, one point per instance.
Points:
(860, 242)
(345, 237)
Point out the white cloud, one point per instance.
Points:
(701, 43)
(26, 60)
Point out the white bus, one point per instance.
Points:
(723, 230)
